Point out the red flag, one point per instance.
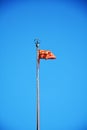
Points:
(46, 54)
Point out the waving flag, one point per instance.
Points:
(46, 54)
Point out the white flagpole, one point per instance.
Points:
(37, 87)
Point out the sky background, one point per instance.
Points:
(61, 27)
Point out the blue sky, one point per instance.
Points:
(61, 27)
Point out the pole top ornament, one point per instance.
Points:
(37, 42)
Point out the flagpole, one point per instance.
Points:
(37, 88)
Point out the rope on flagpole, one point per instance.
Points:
(37, 86)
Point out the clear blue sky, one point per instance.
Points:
(61, 27)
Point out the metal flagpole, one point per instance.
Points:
(37, 87)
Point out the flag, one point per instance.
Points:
(46, 54)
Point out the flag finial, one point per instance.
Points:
(37, 42)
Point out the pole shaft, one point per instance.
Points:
(37, 89)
